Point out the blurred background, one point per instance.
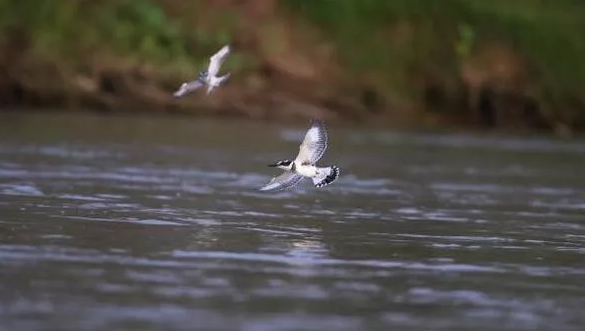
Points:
(491, 63)
(457, 207)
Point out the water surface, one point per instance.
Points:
(122, 222)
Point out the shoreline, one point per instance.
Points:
(296, 60)
(374, 124)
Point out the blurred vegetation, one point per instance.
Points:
(549, 33)
(137, 29)
(392, 38)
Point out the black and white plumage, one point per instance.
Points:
(311, 150)
(207, 78)
(283, 182)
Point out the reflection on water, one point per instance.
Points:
(133, 223)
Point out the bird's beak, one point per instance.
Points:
(272, 165)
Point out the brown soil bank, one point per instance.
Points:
(419, 62)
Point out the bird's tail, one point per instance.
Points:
(327, 176)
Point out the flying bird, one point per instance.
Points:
(311, 150)
(207, 78)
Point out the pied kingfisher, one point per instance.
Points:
(311, 150)
(209, 77)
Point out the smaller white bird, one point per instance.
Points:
(311, 150)
(207, 78)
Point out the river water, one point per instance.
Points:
(155, 223)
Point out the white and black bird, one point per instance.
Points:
(207, 78)
(311, 150)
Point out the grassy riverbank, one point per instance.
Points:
(486, 62)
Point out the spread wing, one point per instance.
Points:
(314, 144)
(216, 60)
(282, 182)
(188, 87)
